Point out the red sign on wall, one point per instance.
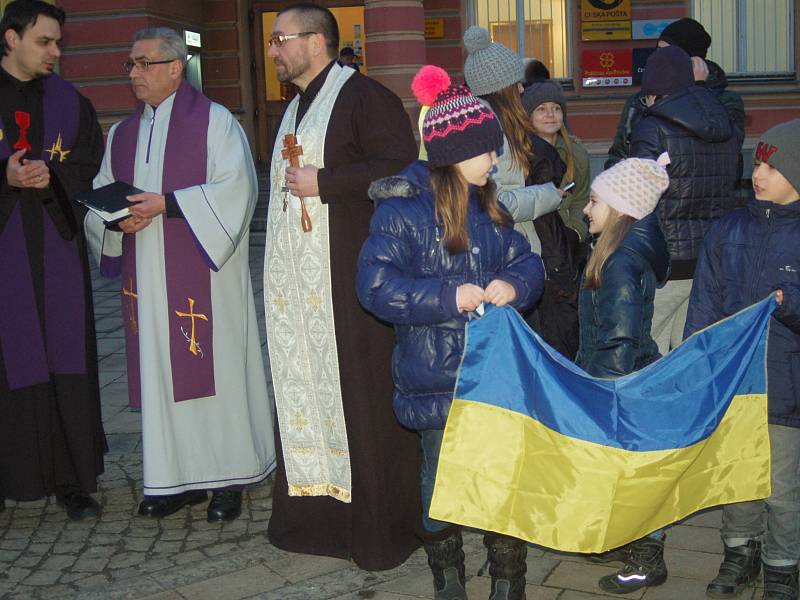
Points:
(607, 67)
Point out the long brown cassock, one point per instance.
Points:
(369, 136)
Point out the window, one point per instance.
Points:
(750, 37)
(533, 28)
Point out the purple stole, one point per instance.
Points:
(187, 267)
(31, 354)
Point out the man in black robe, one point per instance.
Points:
(51, 433)
(368, 136)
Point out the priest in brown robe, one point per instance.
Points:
(51, 435)
(346, 483)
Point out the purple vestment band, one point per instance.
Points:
(188, 276)
(33, 350)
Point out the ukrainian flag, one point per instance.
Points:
(537, 449)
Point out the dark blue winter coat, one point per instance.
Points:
(406, 276)
(695, 129)
(746, 256)
(615, 318)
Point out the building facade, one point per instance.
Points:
(594, 47)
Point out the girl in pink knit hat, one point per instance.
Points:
(629, 260)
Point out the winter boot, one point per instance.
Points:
(620, 554)
(446, 560)
(644, 567)
(507, 566)
(740, 568)
(780, 583)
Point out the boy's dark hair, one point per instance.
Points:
(319, 20)
(22, 14)
(347, 51)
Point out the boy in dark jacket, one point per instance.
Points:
(690, 124)
(749, 254)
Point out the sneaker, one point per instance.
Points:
(644, 567)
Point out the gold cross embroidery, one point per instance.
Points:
(281, 303)
(314, 301)
(298, 422)
(131, 304)
(56, 149)
(192, 315)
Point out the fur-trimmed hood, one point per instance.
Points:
(410, 182)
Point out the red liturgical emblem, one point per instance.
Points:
(23, 120)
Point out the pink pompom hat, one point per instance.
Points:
(458, 126)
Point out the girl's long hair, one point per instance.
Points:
(516, 125)
(617, 227)
(569, 176)
(451, 194)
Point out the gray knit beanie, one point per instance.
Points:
(490, 66)
(779, 147)
(544, 91)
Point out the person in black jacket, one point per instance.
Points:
(691, 37)
(748, 255)
(689, 123)
(615, 307)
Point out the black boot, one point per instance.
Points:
(740, 567)
(79, 505)
(446, 560)
(620, 554)
(645, 567)
(506, 566)
(780, 583)
(225, 505)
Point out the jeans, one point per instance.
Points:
(778, 517)
(431, 442)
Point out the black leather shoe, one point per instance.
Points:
(225, 505)
(157, 507)
(79, 506)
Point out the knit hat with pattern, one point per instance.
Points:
(489, 67)
(779, 147)
(457, 126)
(634, 185)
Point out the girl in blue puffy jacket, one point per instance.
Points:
(440, 245)
(615, 309)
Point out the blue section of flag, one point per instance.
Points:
(673, 403)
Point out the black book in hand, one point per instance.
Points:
(109, 202)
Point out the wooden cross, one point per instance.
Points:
(132, 305)
(292, 151)
(192, 315)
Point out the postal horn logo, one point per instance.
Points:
(605, 4)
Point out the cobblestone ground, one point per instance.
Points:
(45, 556)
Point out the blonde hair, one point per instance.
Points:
(616, 228)
(516, 125)
(451, 203)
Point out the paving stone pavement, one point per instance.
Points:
(43, 555)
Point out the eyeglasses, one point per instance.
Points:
(143, 64)
(280, 39)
